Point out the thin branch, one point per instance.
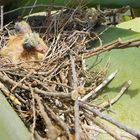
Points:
(77, 121)
(74, 74)
(1, 17)
(111, 120)
(34, 113)
(112, 101)
(117, 44)
(76, 106)
(9, 95)
(105, 127)
(52, 132)
(58, 121)
(101, 86)
(30, 7)
(15, 86)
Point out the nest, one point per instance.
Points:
(52, 95)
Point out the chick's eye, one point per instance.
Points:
(17, 28)
(27, 46)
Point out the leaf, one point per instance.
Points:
(133, 25)
(126, 61)
(11, 126)
(110, 34)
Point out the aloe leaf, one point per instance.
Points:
(11, 126)
(126, 61)
(133, 25)
(110, 34)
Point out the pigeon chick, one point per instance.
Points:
(24, 46)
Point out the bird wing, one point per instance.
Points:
(13, 49)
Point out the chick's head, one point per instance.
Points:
(33, 42)
(22, 27)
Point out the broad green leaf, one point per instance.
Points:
(110, 34)
(126, 61)
(133, 25)
(11, 126)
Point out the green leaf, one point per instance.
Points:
(110, 34)
(133, 25)
(11, 126)
(126, 61)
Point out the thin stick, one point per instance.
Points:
(74, 74)
(108, 129)
(59, 121)
(1, 17)
(77, 121)
(35, 6)
(97, 89)
(112, 101)
(15, 86)
(117, 44)
(111, 120)
(34, 113)
(52, 133)
(76, 106)
(9, 95)
(32, 9)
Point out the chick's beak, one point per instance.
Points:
(39, 48)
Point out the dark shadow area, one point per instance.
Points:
(130, 92)
(38, 22)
